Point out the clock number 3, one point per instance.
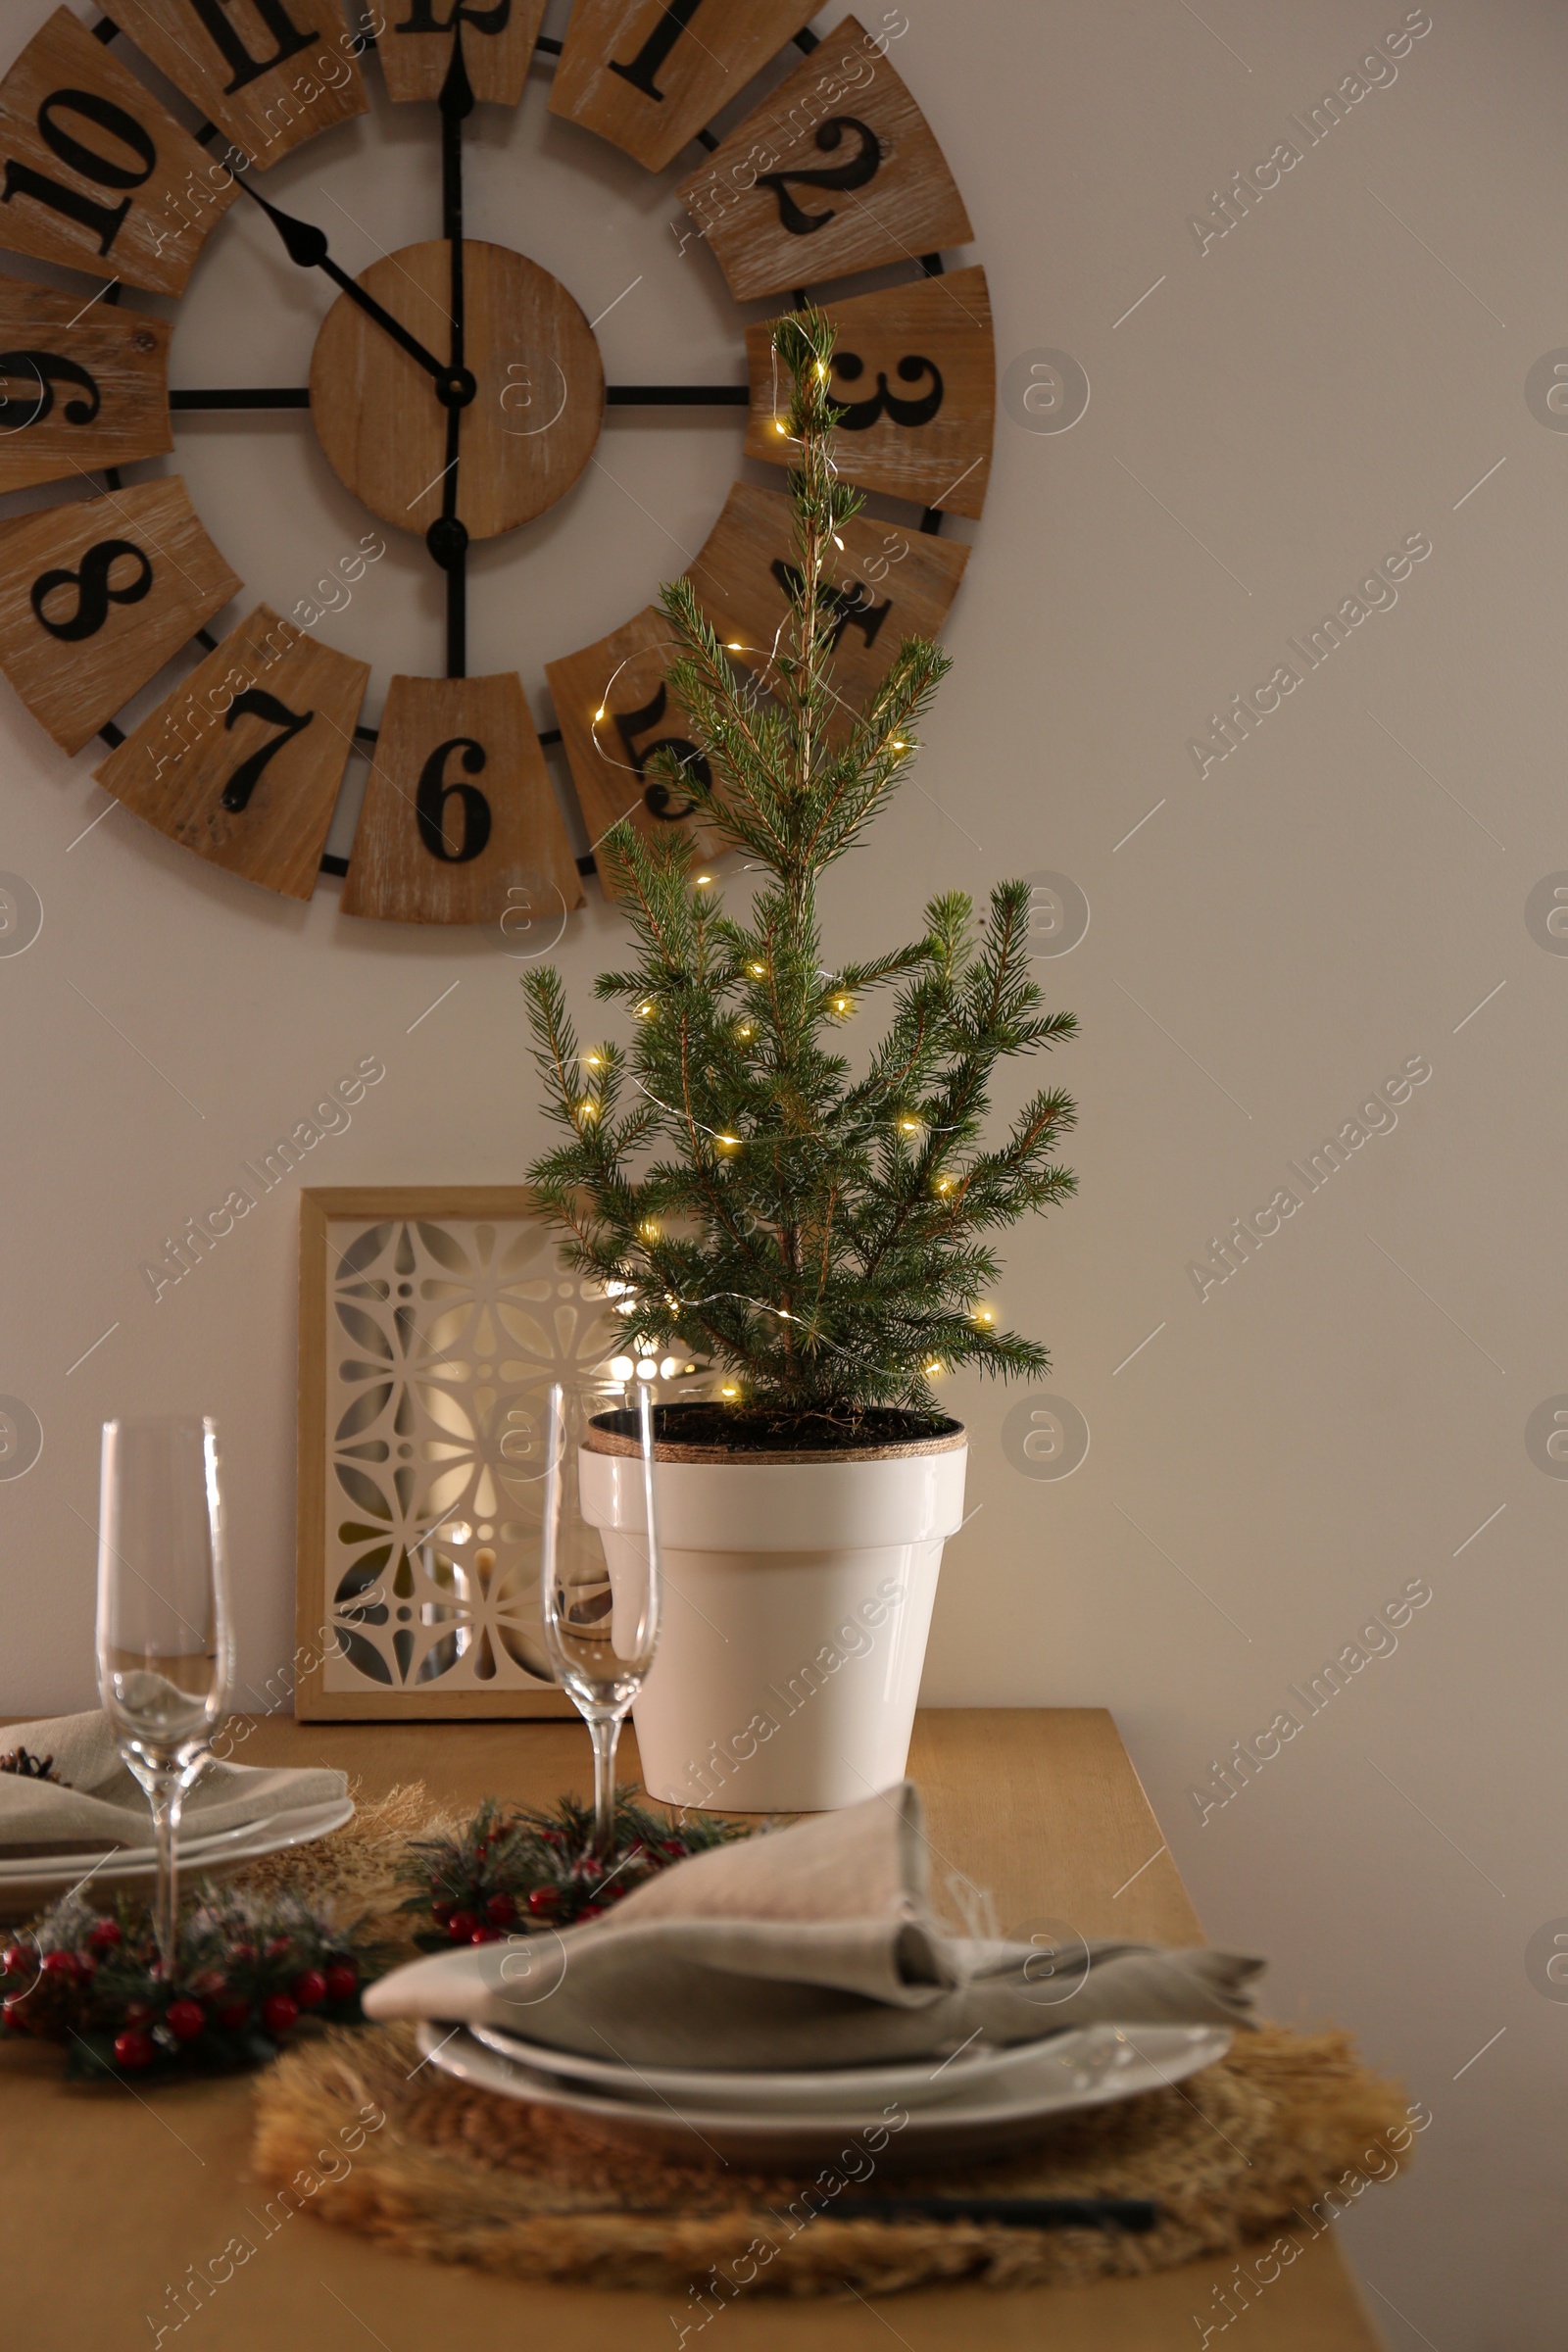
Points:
(257, 703)
(94, 592)
(433, 794)
(657, 800)
(860, 416)
(105, 221)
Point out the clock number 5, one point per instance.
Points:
(434, 792)
(257, 703)
(105, 221)
(94, 592)
(629, 724)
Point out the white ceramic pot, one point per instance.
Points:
(797, 1594)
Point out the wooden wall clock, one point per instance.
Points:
(830, 176)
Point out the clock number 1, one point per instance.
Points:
(434, 792)
(640, 71)
(257, 703)
(105, 221)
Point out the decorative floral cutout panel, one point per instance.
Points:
(443, 1338)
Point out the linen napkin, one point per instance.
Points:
(805, 1947)
(99, 1804)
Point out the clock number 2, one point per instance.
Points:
(95, 593)
(105, 221)
(855, 173)
(860, 416)
(257, 703)
(38, 372)
(434, 792)
(657, 800)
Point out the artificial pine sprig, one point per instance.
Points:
(819, 1235)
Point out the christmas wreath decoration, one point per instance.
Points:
(249, 1970)
(515, 1873)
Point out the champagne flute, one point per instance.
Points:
(601, 1580)
(165, 1640)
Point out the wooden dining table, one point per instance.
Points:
(110, 2193)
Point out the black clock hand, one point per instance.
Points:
(305, 245)
(447, 537)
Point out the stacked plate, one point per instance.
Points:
(30, 1882)
(979, 2102)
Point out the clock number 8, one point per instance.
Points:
(94, 594)
(434, 792)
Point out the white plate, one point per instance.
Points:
(1074, 2071)
(44, 1883)
(192, 1847)
(917, 2082)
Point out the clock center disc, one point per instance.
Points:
(526, 430)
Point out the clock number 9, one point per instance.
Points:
(94, 594)
(434, 792)
(38, 372)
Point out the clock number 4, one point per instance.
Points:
(433, 794)
(855, 173)
(105, 221)
(851, 608)
(94, 592)
(629, 726)
(38, 372)
(257, 703)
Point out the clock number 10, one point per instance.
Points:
(433, 794)
(105, 221)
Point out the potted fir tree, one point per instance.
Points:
(818, 1234)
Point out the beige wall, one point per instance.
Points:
(1292, 402)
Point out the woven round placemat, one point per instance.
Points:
(456, 2175)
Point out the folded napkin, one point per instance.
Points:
(811, 1946)
(99, 1804)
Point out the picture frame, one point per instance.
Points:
(432, 1320)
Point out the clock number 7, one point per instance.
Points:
(257, 703)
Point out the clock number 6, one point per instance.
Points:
(257, 703)
(434, 792)
(94, 595)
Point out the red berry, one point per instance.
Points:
(612, 1894)
(104, 1934)
(15, 1960)
(442, 1908)
(501, 1910)
(673, 1848)
(592, 1911)
(310, 1988)
(185, 2019)
(588, 1868)
(279, 2011)
(277, 1947)
(139, 2013)
(13, 2009)
(460, 1925)
(62, 1966)
(133, 2047)
(544, 1899)
(342, 1981)
(485, 1936)
(233, 2015)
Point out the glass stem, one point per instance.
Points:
(604, 1733)
(167, 1801)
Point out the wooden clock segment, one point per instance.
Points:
(915, 368)
(498, 45)
(94, 173)
(77, 390)
(836, 170)
(270, 74)
(614, 707)
(890, 584)
(244, 761)
(96, 597)
(460, 817)
(648, 76)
